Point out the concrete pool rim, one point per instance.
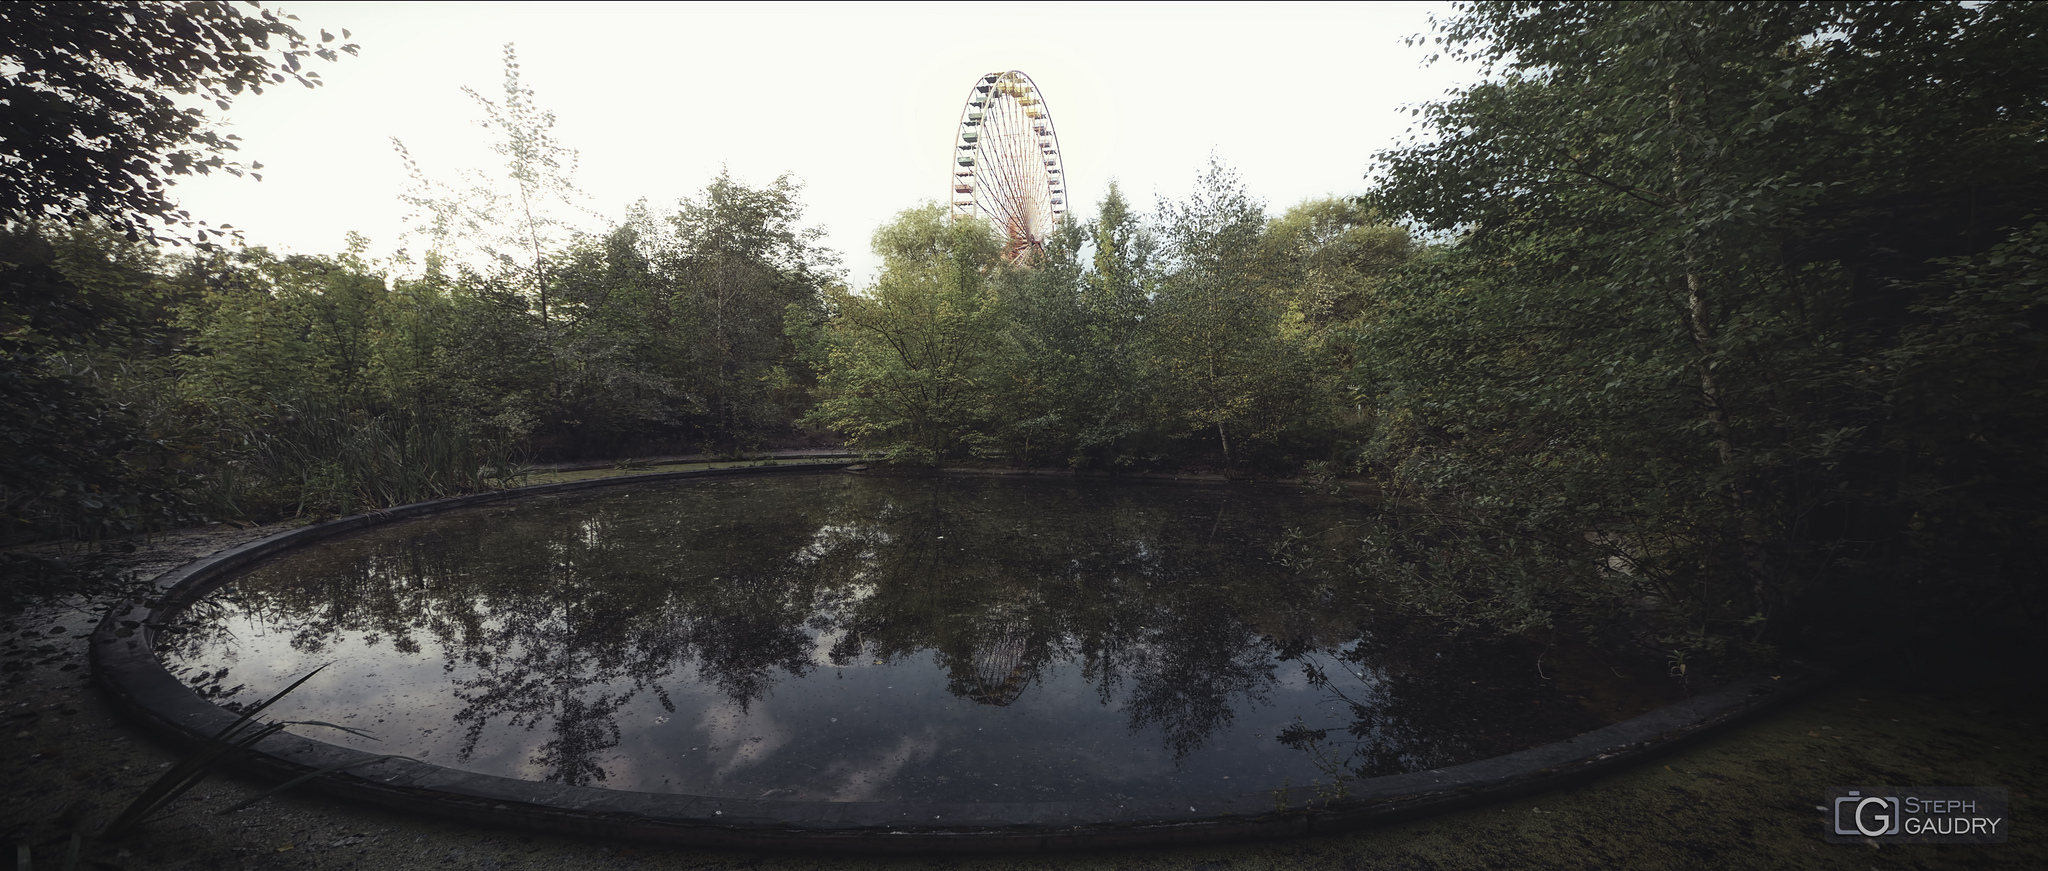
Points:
(124, 663)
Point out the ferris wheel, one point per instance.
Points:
(1006, 163)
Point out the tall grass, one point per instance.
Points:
(238, 737)
(315, 457)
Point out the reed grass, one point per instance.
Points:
(314, 457)
(236, 738)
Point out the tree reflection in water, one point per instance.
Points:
(560, 617)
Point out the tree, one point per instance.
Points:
(1116, 295)
(281, 330)
(1327, 258)
(1326, 264)
(75, 464)
(738, 260)
(1215, 354)
(1047, 367)
(906, 367)
(1688, 237)
(624, 341)
(516, 223)
(671, 328)
(98, 96)
(98, 121)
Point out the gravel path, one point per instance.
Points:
(1745, 799)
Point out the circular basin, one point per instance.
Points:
(854, 661)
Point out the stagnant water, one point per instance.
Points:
(850, 637)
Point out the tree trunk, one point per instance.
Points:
(1751, 561)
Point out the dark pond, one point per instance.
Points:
(848, 637)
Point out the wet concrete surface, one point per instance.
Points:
(1746, 798)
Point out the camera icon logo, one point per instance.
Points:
(1871, 816)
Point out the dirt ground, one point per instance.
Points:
(1747, 798)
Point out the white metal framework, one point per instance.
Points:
(1006, 162)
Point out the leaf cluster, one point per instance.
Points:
(104, 103)
(1203, 333)
(1659, 380)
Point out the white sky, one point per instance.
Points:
(857, 102)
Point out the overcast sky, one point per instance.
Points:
(857, 102)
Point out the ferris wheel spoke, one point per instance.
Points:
(1007, 168)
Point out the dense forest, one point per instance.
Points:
(1721, 322)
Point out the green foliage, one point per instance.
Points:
(337, 460)
(514, 222)
(1663, 367)
(1112, 419)
(739, 261)
(75, 463)
(1327, 258)
(1053, 378)
(94, 126)
(667, 330)
(327, 393)
(1966, 387)
(624, 342)
(257, 386)
(1130, 342)
(1326, 264)
(1069, 384)
(273, 329)
(671, 328)
(909, 367)
(1213, 340)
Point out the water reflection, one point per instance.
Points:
(837, 636)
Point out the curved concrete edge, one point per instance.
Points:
(125, 663)
(1070, 475)
(846, 454)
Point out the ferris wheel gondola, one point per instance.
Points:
(1006, 164)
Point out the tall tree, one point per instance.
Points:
(1116, 296)
(280, 330)
(907, 368)
(1688, 236)
(738, 260)
(1326, 258)
(624, 342)
(1045, 366)
(94, 130)
(1326, 263)
(516, 222)
(1215, 355)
